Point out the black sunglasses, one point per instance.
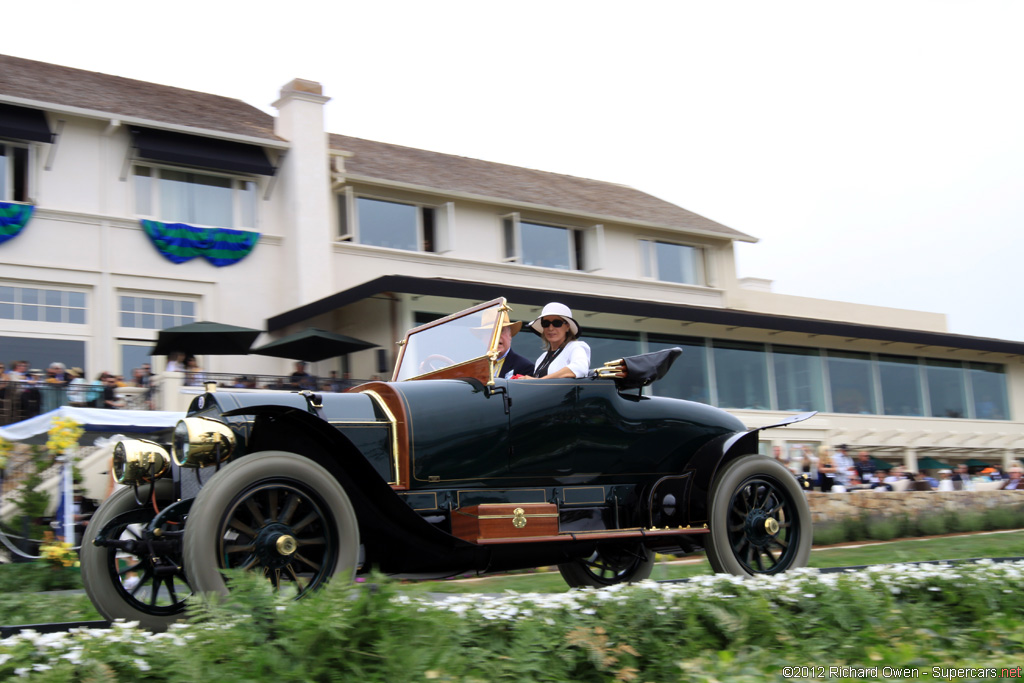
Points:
(558, 322)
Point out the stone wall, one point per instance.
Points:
(832, 507)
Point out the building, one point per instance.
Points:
(130, 206)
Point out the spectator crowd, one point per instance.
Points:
(835, 471)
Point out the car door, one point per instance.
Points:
(543, 427)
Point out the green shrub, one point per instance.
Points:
(1000, 518)
(829, 533)
(856, 528)
(883, 528)
(964, 521)
(32, 577)
(932, 525)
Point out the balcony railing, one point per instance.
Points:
(21, 400)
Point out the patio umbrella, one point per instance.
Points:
(207, 338)
(930, 463)
(974, 462)
(312, 344)
(881, 464)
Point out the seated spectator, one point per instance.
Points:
(945, 480)
(1014, 481)
(826, 469)
(300, 379)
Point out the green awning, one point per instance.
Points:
(881, 464)
(974, 462)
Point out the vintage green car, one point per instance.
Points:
(444, 470)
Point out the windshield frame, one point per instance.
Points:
(489, 351)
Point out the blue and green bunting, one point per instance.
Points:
(13, 217)
(220, 246)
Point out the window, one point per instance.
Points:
(156, 314)
(396, 225)
(672, 262)
(42, 305)
(13, 173)
(946, 388)
(195, 198)
(741, 375)
(551, 246)
(688, 378)
(900, 378)
(799, 381)
(988, 386)
(850, 377)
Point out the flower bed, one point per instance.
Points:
(907, 618)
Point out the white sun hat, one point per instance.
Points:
(562, 311)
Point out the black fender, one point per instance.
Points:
(396, 538)
(713, 456)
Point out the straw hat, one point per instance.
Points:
(488, 317)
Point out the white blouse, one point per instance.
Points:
(575, 355)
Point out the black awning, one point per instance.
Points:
(482, 291)
(193, 150)
(21, 123)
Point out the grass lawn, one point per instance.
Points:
(31, 608)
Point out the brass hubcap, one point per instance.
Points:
(286, 545)
(771, 526)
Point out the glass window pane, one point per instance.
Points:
(127, 303)
(76, 299)
(676, 263)
(545, 245)
(127, 319)
(175, 197)
(799, 384)
(7, 311)
(901, 385)
(741, 375)
(7, 294)
(147, 305)
(134, 356)
(52, 314)
(608, 345)
(4, 162)
(148, 321)
(509, 228)
(76, 316)
(213, 200)
(688, 378)
(28, 313)
(188, 309)
(387, 224)
(167, 321)
(247, 204)
(850, 379)
(31, 296)
(167, 306)
(988, 383)
(143, 191)
(52, 297)
(946, 388)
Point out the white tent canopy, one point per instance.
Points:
(93, 420)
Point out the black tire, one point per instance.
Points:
(760, 522)
(274, 512)
(609, 565)
(158, 599)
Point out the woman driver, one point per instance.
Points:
(565, 355)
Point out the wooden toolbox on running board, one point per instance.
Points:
(505, 520)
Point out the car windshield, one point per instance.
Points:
(456, 339)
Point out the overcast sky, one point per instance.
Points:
(876, 149)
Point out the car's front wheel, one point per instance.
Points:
(609, 565)
(276, 513)
(135, 577)
(760, 522)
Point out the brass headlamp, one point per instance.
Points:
(138, 461)
(201, 442)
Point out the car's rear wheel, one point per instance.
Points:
(140, 581)
(760, 522)
(609, 565)
(276, 513)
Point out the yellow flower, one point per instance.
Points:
(5, 451)
(64, 435)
